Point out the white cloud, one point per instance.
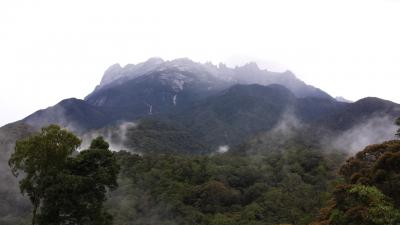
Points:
(222, 149)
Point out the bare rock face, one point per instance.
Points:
(249, 73)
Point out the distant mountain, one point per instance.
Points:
(157, 91)
(210, 105)
(157, 86)
(247, 74)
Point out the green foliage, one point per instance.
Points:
(157, 136)
(359, 204)
(377, 165)
(99, 143)
(65, 188)
(263, 188)
(40, 158)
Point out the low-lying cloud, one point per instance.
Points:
(222, 149)
(115, 136)
(375, 130)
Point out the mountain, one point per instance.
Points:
(249, 73)
(157, 91)
(240, 112)
(156, 87)
(208, 105)
(159, 85)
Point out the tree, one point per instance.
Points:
(398, 124)
(97, 170)
(370, 195)
(359, 204)
(40, 157)
(377, 165)
(66, 188)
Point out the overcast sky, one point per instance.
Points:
(51, 50)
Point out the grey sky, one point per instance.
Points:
(51, 50)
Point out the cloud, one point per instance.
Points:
(222, 149)
(115, 136)
(375, 130)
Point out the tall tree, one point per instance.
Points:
(71, 189)
(40, 157)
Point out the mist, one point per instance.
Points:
(373, 131)
(288, 124)
(14, 205)
(115, 136)
(223, 149)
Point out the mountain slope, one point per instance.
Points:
(236, 113)
(75, 114)
(359, 112)
(157, 92)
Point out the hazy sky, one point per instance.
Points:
(51, 50)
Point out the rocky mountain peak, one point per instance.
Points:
(249, 73)
(111, 73)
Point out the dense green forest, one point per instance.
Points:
(266, 188)
(266, 180)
